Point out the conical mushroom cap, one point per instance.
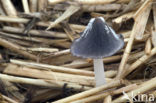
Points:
(97, 41)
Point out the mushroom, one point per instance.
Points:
(97, 41)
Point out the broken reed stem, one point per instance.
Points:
(153, 40)
(135, 30)
(138, 62)
(40, 49)
(53, 68)
(13, 19)
(95, 1)
(148, 46)
(74, 26)
(105, 60)
(144, 87)
(142, 8)
(87, 64)
(2, 12)
(3, 34)
(144, 18)
(69, 34)
(98, 8)
(70, 11)
(154, 14)
(63, 52)
(25, 6)
(121, 18)
(20, 42)
(112, 59)
(8, 99)
(44, 24)
(52, 2)
(35, 32)
(94, 8)
(34, 39)
(68, 30)
(127, 50)
(109, 73)
(90, 92)
(89, 2)
(33, 5)
(105, 94)
(16, 48)
(9, 8)
(41, 82)
(108, 99)
(56, 68)
(50, 75)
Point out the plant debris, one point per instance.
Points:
(36, 65)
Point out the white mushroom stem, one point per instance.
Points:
(99, 72)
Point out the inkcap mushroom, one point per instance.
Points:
(97, 41)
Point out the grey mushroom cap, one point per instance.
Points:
(97, 41)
